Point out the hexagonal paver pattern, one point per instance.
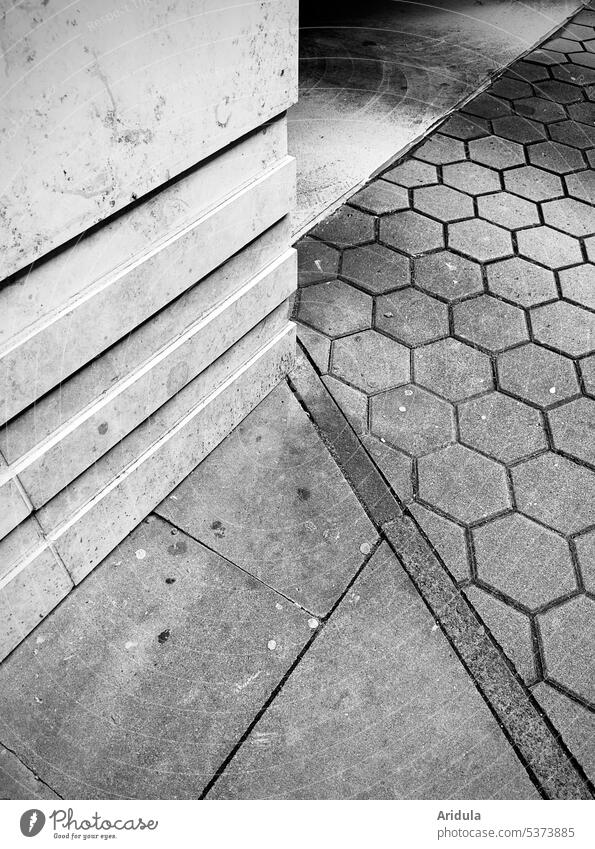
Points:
(578, 284)
(411, 316)
(413, 420)
(519, 129)
(490, 323)
(559, 91)
(447, 275)
(345, 227)
(316, 261)
(570, 215)
(452, 369)
(511, 88)
(540, 109)
(412, 173)
(525, 561)
(335, 308)
(463, 484)
(381, 197)
(568, 634)
(573, 429)
(465, 126)
(411, 232)
(534, 374)
(443, 203)
(533, 183)
(556, 492)
(370, 361)
(375, 268)
(585, 550)
(479, 239)
(521, 281)
(582, 185)
(564, 326)
(502, 427)
(471, 177)
(557, 157)
(447, 538)
(440, 150)
(549, 247)
(573, 133)
(486, 106)
(496, 152)
(508, 210)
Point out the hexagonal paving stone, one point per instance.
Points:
(545, 57)
(578, 284)
(555, 491)
(412, 173)
(587, 367)
(345, 227)
(411, 232)
(375, 268)
(316, 261)
(562, 45)
(564, 326)
(335, 308)
(413, 420)
(411, 316)
(585, 550)
(533, 183)
(573, 429)
(353, 402)
(523, 560)
(554, 156)
(508, 210)
(440, 150)
(511, 88)
(490, 323)
(447, 275)
(370, 361)
(486, 106)
(380, 197)
(465, 126)
(471, 178)
(584, 112)
(447, 538)
(572, 73)
(590, 246)
(540, 109)
(519, 129)
(502, 427)
(559, 92)
(582, 58)
(535, 374)
(527, 71)
(396, 467)
(549, 247)
(452, 369)
(479, 239)
(572, 216)
(497, 152)
(568, 634)
(443, 203)
(574, 134)
(522, 282)
(582, 185)
(463, 484)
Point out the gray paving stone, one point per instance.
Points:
(462, 484)
(561, 45)
(443, 203)
(527, 71)
(490, 323)
(502, 427)
(540, 109)
(345, 227)
(411, 232)
(370, 361)
(447, 538)
(566, 327)
(497, 152)
(293, 522)
(549, 247)
(486, 106)
(584, 112)
(317, 344)
(412, 173)
(316, 261)
(396, 467)
(578, 284)
(573, 429)
(465, 126)
(447, 275)
(524, 560)
(574, 73)
(508, 210)
(533, 183)
(557, 157)
(559, 92)
(587, 368)
(510, 627)
(556, 492)
(380, 197)
(590, 246)
(573, 133)
(352, 402)
(452, 369)
(568, 634)
(575, 724)
(519, 129)
(142, 680)
(412, 317)
(521, 281)
(412, 420)
(375, 268)
(18, 782)
(439, 150)
(335, 308)
(367, 718)
(510, 88)
(471, 177)
(572, 216)
(479, 239)
(585, 549)
(582, 185)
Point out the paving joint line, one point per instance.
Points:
(35, 774)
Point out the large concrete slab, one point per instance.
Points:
(140, 683)
(380, 707)
(272, 500)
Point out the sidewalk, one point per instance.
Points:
(401, 607)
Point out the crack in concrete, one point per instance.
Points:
(29, 769)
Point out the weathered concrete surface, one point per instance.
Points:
(18, 782)
(142, 681)
(380, 707)
(273, 501)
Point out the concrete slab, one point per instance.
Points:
(272, 500)
(140, 683)
(379, 707)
